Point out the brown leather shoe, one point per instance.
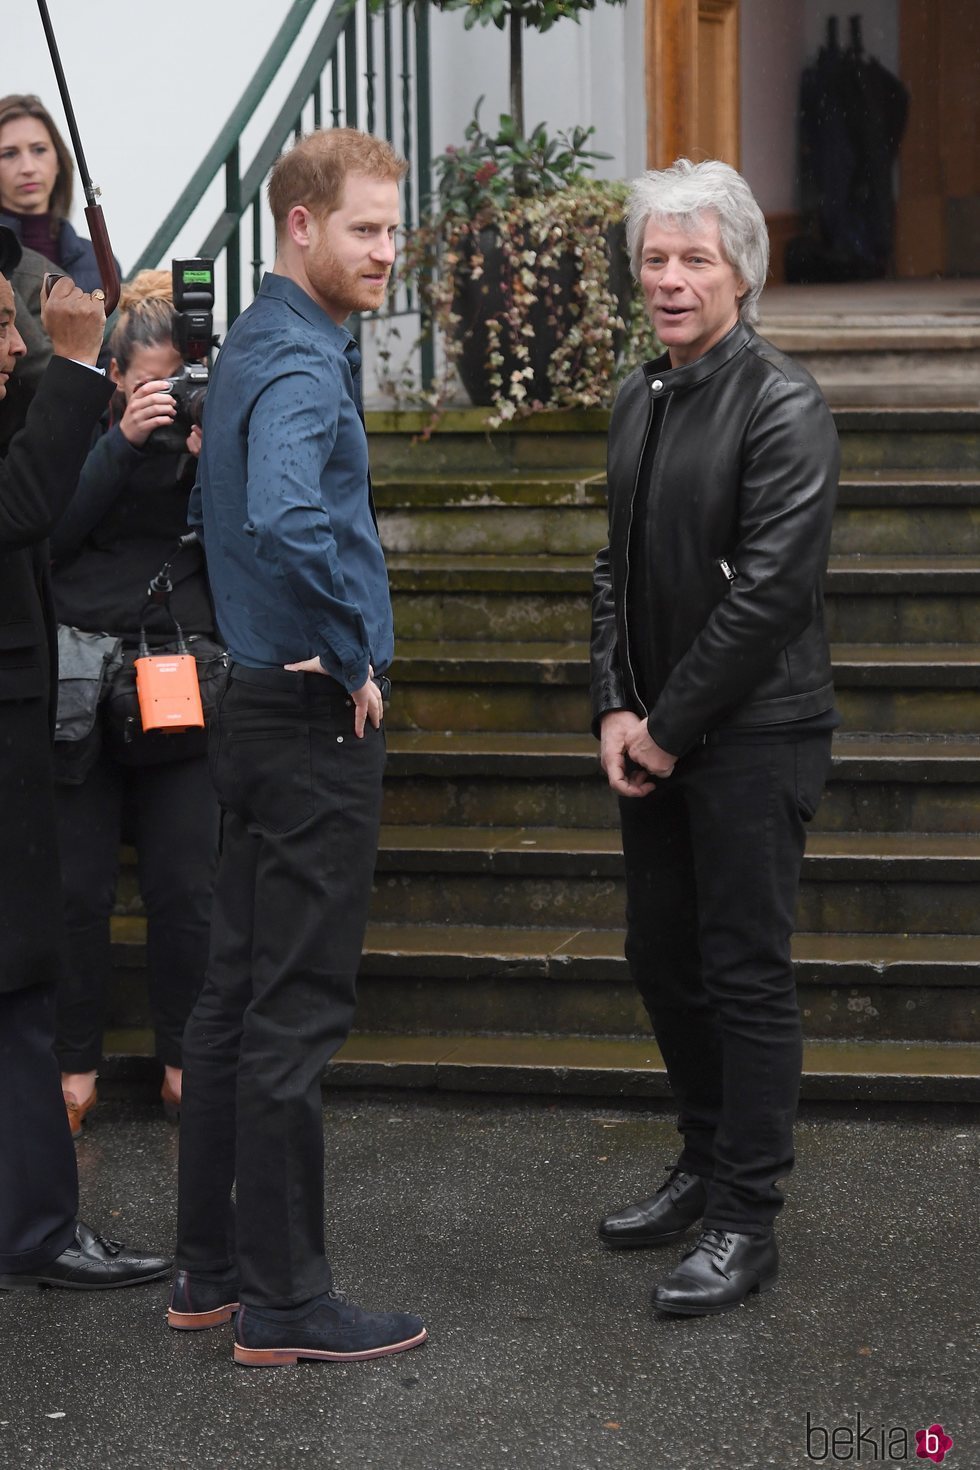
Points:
(78, 1111)
(171, 1103)
(197, 1302)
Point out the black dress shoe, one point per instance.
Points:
(719, 1273)
(666, 1216)
(202, 1301)
(92, 1263)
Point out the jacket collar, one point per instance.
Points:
(284, 288)
(676, 379)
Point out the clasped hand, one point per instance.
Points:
(630, 756)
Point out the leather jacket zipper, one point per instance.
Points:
(629, 537)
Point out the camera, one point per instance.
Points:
(189, 388)
(193, 292)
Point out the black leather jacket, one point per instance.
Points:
(740, 501)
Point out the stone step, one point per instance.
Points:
(870, 599)
(856, 1071)
(584, 488)
(904, 783)
(867, 359)
(915, 512)
(531, 877)
(511, 685)
(941, 607)
(542, 851)
(509, 575)
(419, 977)
(566, 661)
(408, 445)
(896, 356)
(551, 514)
(912, 512)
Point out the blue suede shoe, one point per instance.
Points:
(329, 1328)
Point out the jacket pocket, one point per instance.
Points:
(23, 675)
(16, 636)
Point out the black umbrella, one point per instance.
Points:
(93, 212)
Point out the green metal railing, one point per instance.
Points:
(363, 70)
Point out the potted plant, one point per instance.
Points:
(520, 264)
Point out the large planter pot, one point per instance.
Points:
(488, 287)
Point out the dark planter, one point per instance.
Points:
(478, 301)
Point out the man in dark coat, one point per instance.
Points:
(42, 1241)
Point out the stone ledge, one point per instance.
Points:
(601, 1067)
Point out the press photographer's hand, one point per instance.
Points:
(151, 406)
(74, 320)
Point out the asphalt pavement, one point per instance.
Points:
(480, 1212)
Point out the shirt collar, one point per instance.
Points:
(284, 288)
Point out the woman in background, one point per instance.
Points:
(37, 176)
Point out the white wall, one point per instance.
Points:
(771, 42)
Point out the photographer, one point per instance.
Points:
(123, 525)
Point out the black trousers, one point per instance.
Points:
(169, 812)
(713, 859)
(38, 1173)
(301, 808)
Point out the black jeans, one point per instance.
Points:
(713, 859)
(38, 1174)
(301, 808)
(169, 812)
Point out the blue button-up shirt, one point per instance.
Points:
(282, 496)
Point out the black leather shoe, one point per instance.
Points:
(330, 1327)
(719, 1273)
(92, 1263)
(666, 1216)
(198, 1301)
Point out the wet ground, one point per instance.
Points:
(543, 1355)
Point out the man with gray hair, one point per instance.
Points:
(713, 701)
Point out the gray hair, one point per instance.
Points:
(684, 193)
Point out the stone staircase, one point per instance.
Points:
(494, 957)
(883, 342)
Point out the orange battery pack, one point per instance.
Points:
(168, 692)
